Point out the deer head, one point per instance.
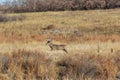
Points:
(48, 41)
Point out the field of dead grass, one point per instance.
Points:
(92, 39)
(66, 25)
(34, 65)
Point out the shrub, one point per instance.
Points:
(60, 5)
(5, 18)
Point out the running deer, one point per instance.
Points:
(55, 46)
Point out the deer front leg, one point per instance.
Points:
(51, 48)
(65, 50)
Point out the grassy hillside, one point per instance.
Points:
(92, 39)
(65, 24)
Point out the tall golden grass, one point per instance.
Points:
(33, 65)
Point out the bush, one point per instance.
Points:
(5, 18)
(61, 5)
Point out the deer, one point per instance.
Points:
(55, 46)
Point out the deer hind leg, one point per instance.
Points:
(65, 50)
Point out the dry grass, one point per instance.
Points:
(35, 61)
(33, 65)
(92, 39)
(67, 24)
(86, 47)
